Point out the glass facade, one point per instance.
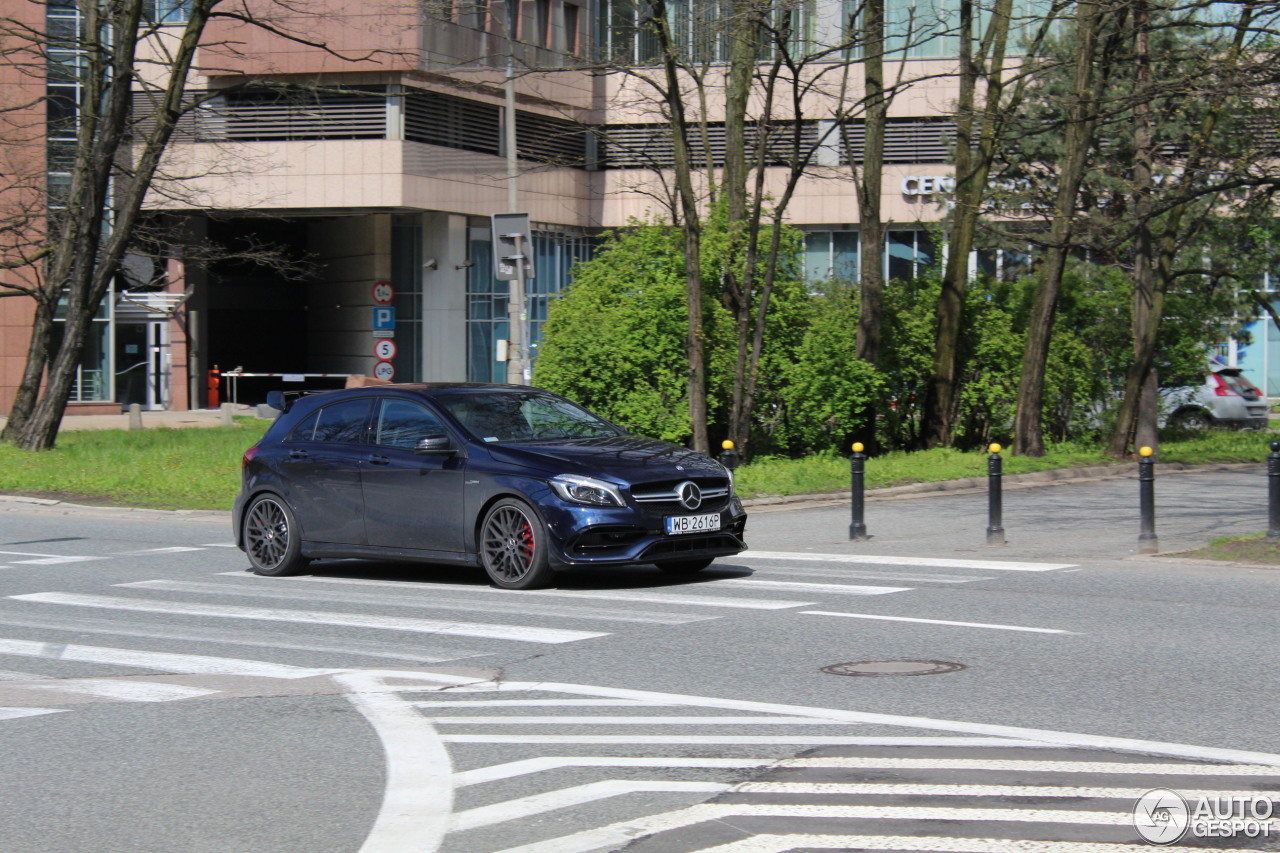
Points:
(555, 255)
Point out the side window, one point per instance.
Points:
(402, 423)
(342, 422)
(306, 430)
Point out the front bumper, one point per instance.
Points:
(582, 536)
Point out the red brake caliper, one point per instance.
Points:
(526, 543)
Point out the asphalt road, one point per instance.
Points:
(155, 696)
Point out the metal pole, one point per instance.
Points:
(995, 499)
(1147, 541)
(858, 471)
(517, 319)
(1273, 491)
(728, 457)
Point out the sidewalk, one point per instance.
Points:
(150, 420)
(1063, 520)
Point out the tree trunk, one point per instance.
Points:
(1028, 426)
(871, 224)
(972, 169)
(744, 34)
(691, 222)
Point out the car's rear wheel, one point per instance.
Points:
(1192, 419)
(686, 567)
(513, 547)
(271, 537)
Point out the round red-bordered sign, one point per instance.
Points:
(384, 370)
(383, 293)
(384, 349)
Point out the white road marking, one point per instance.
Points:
(532, 703)
(10, 675)
(219, 545)
(924, 844)
(418, 797)
(1027, 765)
(49, 560)
(901, 789)
(1045, 736)
(844, 574)
(624, 832)
(931, 562)
(18, 713)
(633, 721)
(242, 637)
(763, 740)
(815, 588)
(568, 797)
(126, 691)
(176, 549)
(161, 661)
(609, 595)
(427, 600)
(528, 766)
(937, 622)
(518, 633)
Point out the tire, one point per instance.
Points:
(271, 537)
(686, 567)
(513, 547)
(1192, 419)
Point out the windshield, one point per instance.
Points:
(503, 416)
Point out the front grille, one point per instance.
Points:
(665, 496)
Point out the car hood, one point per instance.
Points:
(628, 458)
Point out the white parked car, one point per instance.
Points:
(1225, 399)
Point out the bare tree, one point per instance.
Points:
(118, 49)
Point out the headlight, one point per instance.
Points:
(587, 490)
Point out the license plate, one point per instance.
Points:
(692, 523)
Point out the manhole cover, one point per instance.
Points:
(874, 668)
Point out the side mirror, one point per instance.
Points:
(433, 444)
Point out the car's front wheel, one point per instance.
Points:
(513, 547)
(686, 567)
(271, 537)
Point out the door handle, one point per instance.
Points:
(377, 459)
(297, 454)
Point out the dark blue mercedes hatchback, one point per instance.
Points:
(514, 479)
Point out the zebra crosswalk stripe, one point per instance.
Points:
(926, 844)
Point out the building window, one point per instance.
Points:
(572, 21)
(168, 11)
(908, 254)
(93, 381)
(831, 256)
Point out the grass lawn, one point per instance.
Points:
(1254, 548)
(200, 468)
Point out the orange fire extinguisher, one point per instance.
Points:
(215, 379)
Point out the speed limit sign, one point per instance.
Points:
(385, 349)
(384, 370)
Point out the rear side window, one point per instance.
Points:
(342, 422)
(402, 423)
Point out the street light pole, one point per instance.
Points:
(517, 316)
